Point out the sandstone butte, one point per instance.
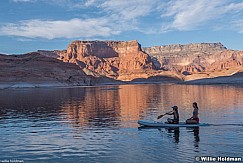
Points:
(97, 62)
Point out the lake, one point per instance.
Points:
(99, 124)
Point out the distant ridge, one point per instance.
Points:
(179, 48)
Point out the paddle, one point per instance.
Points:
(160, 116)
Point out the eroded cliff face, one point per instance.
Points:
(184, 49)
(127, 61)
(228, 59)
(193, 58)
(94, 62)
(108, 58)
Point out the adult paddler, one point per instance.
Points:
(194, 119)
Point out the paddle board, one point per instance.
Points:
(151, 123)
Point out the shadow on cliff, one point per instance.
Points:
(236, 78)
(103, 80)
(157, 79)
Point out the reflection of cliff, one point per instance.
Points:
(216, 96)
(126, 105)
(213, 101)
(35, 103)
(98, 108)
(135, 99)
(113, 106)
(140, 99)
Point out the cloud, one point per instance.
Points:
(190, 14)
(88, 3)
(127, 15)
(238, 25)
(117, 16)
(16, 1)
(112, 17)
(129, 9)
(24, 39)
(47, 29)
(70, 4)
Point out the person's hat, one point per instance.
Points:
(174, 107)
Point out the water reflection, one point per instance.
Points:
(195, 131)
(174, 133)
(125, 105)
(97, 108)
(100, 123)
(119, 105)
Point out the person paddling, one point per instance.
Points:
(173, 112)
(194, 119)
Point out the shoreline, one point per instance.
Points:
(34, 85)
(31, 85)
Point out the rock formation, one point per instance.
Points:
(128, 61)
(184, 49)
(107, 58)
(194, 58)
(35, 69)
(95, 62)
(191, 57)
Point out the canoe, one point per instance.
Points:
(150, 123)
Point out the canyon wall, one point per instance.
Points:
(107, 58)
(95, 62)
(125, 61)
(193, 58)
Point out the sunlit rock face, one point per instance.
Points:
(94, 62)
(108, 58)
(191, 57)
(197, 61)
(127, 61)
(226, 59)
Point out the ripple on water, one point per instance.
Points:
(94, 125)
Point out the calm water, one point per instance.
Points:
(99, 124)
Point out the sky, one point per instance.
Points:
(31, 25)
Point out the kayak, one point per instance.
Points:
(162, 124)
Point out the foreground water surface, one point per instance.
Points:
(99, 124)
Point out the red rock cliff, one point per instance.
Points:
(195, 57)
(109, 58)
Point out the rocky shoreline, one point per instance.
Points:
(228, 81)
(51, 84)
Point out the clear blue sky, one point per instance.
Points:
(29, 25)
